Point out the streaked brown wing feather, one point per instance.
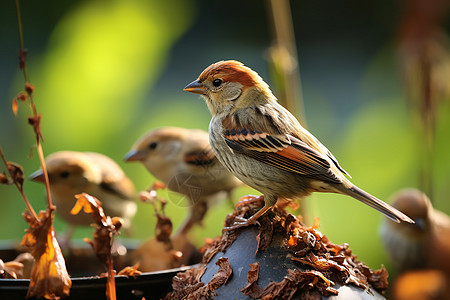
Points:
(200, 157)
(281, 151)
(123, 188)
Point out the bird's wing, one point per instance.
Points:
(123, 188)
(114, 179)
(200, 157)
(283, 151)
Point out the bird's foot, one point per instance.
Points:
(249, 199)
(239, 223)
(242, 222)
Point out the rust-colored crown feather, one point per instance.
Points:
(231, 70)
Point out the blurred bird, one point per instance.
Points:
(72, 173)
(183, 160)
(425, 244)
(264, 145)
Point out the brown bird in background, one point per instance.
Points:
(183, 160)
(264, 145)
(425, 244)
(72, 173)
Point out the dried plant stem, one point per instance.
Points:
(284, 55)
(22, 43)
(44, 171)
(111, 285)
(27, 202)
(36, 127)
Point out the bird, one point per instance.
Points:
(183, 160)
(72, 172)
(422, 245)
(265, 146)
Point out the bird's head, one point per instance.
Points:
(157, 148)
(228, 85)
(417, 206)
(68, 171)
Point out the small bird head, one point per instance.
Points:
(417, 206)
(157, 148)
(68, 171)
(226, 84)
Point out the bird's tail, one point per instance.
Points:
(366, 198)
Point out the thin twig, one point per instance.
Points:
(36, 127)
(44, 172)
(22, 43)
(27, 202)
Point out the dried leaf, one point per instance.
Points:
(16, 173)
(378, 278)
(319, 263)
(252, 289)
(222, 275)
(11, 269)
(49, 277)
(104, 232)
(163, 228)
(130, 271)
(264, 237)
(15, 106)
(186, 283)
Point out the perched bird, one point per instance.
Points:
(183, 160)
(425, 244)
(264, 145)
(72, 173)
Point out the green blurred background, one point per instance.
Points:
(107, 71)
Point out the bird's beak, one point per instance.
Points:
(195, 87)
(134, 155)
(37, 176)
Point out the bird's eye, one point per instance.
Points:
(152, 145)
(64, 174)
(217, 82)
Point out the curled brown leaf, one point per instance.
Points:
(130, 271)
(16, 173)
(252, 289)
(49, 277)
(15, 106)
(106, 229)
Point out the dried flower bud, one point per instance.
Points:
(29, 88)
(117, 222)
(4, 179)
(16, 172)
(22, 96)
(158, 185)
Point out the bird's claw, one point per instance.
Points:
(248, 199)
(239, 223)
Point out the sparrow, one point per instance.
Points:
(264, 145)
(183, 160)
(71, 173)
(424, 244)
